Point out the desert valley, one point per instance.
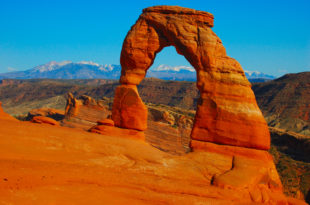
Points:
(84, 133)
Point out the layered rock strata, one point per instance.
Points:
(84, 112)
(44, 120)
(128, 109)
(227, 112)
(70, 166)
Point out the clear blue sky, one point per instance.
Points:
(269, 36)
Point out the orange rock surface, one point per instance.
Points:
(4, 115)
(42, 164)
(119, 132)
(227, 112)
(108, 122)
(84, 112)
(128, 109)
(44, 120)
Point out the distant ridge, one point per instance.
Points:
(67, 70)
(92, 70)
(187, 73)
(285, 102)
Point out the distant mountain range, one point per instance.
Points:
(67, 70)
(91, 70)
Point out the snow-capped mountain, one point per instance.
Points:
(175, 68)
(189, 74)
(67, 70)
(91, 70)
(166, 72)
(53, 65)
(257, 75)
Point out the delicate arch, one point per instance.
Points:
(227, 113)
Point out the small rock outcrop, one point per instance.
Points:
(227, 112)
(46, 112)
(44, 120)
(106, 127)
(84, 112)
(107, 122)
(161, 115)
(167, 117)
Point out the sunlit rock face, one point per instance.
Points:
(84, 112)
(4, 115)
(227, 112)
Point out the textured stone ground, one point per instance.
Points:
(45, 164)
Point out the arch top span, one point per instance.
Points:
(199, 16)
(227, 113)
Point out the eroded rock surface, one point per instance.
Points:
(128, 109)
(70, 166)
(107, 122)
(4, 115)
(227, 112)
(84, 112)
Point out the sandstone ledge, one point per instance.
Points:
(177, 10)
(63, 165)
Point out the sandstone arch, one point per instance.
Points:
(227, 113)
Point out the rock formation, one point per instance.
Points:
(72, 166)
(84, 112)
(128, 109)
(44, 120)
(46, 112)
(107, 122)
(227, 112)
(165, 115)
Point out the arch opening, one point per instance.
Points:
(171, 104)
(169, 65)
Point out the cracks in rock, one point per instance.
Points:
(212, 179)
(217, 176)
(232, 163)
(198, 37)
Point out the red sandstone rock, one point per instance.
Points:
(63, 165)
(44, 120)
(119, 132)
(128, 109)
(107, 122)
(5, 116)
(84, 112)
(72, 106)
(227, 113)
